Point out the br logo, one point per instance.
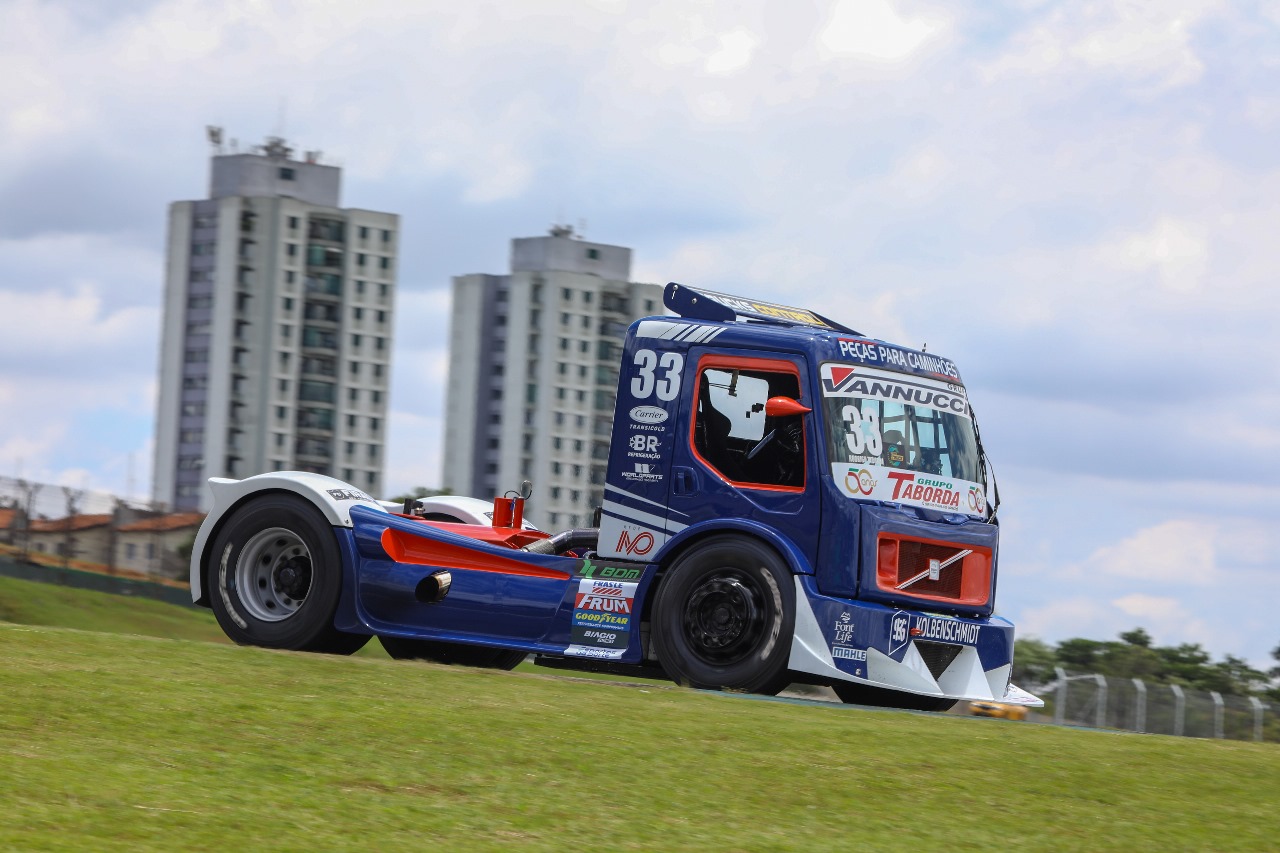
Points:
(636, 545)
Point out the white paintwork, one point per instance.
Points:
(964, 678)
(314, 487)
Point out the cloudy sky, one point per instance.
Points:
(1079, 202)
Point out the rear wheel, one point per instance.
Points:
(865, 694)
(277, 575)
(724, 615)
(457, 654)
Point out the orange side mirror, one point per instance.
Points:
(782, 406)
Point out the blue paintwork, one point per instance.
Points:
(657, 485)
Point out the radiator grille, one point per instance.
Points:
(937, 656)
(914, 557)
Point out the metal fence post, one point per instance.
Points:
(1060, 709)
(1179, 709)
(1257, 717)
(1217, 713)
(1100, 713)
(1140, 706)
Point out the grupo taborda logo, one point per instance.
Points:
(860, 480)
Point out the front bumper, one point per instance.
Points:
(909, 651)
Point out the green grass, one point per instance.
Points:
(114, 742)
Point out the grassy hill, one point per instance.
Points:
(115, 742)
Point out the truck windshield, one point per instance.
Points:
(894, 420)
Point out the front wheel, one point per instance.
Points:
(864, 694)
(724, 615)
(277, 576)
(457, 654)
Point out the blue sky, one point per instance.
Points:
(1078, 202)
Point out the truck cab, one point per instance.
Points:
(856, 461)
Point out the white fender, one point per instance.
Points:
(332, 497)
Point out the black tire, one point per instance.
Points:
(724, 615)
(878, 697)
(276, 575)
(455, 654)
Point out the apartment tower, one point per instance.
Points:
(276, 347)
(533, 373)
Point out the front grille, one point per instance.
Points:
(937, 656)
(914, 557)
(901, 559)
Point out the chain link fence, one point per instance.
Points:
(1129, 704)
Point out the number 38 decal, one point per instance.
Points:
(657, 374)
(862, 431)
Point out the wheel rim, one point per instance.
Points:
(724, 618)
(273, 574)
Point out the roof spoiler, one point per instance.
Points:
(720, 307)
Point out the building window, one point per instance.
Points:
(593, 254)
(385, 263)
(377, 371)
(586, 296)
(380, 344)
(582, 346)
(360, 287)
(372, 479)
(566, 294)
(382, 316)
(360, 259)
(286, 174)
(357, 313)
(353, 395)
(386, 236)
(293, 223)
(364, 232)
(288, 303)
(291, 249)
(373, 453)
(289, 277)
(284, 386)
(373, 424)
(377, 396)
(355, 340)
(355, 368)
(282, 413)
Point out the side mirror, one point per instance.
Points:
(783, 406)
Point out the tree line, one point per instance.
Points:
(1134, 656)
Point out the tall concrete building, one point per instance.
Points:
(276, 347)
(533, 373)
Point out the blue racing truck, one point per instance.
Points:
(787, 500)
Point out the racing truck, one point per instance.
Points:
(786, 501)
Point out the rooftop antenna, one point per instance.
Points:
(214, 134)
(582, 229)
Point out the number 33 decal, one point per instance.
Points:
(646, 380)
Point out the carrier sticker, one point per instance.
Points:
(648, 414)
(931, 491)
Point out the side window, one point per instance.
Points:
(735, 436)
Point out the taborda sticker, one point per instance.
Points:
(931, 491)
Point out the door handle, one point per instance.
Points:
(684, 481)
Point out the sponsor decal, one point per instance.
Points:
(844, 653)
(646, 472)
(603, 605)
(770, 309)
(599, 637)
(977, 501)
(924, 490)
(898, 626)
(648, 414)
(576, 651)
(840, 380)
(878, 353)
(946, 630)
(643, 444)
(590, 569)
(348, 495)
(860, 481)
(931, 491)
(637, 545)
(844, 628)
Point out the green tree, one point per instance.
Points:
(1033, 661)
(421, 492)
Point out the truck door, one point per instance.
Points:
(734, 460)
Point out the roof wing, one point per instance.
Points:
(701, 304)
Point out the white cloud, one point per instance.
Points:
(1176, 250)
(1149, 44)
(1173, 552)
(874, 30)
(734, 53)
